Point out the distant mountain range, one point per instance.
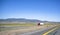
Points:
(20, 20)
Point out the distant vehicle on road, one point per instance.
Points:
(40, 24)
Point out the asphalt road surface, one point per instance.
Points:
(39, 32)
(49, 30)
(45, 31)
(56, 31)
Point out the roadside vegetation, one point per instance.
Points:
(4, 27)
(17, 24)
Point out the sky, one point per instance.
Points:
(45, 10)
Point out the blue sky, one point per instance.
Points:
(48, 10)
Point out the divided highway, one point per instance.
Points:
(39, 30)
(46, 31)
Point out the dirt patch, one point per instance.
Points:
(12, 32)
